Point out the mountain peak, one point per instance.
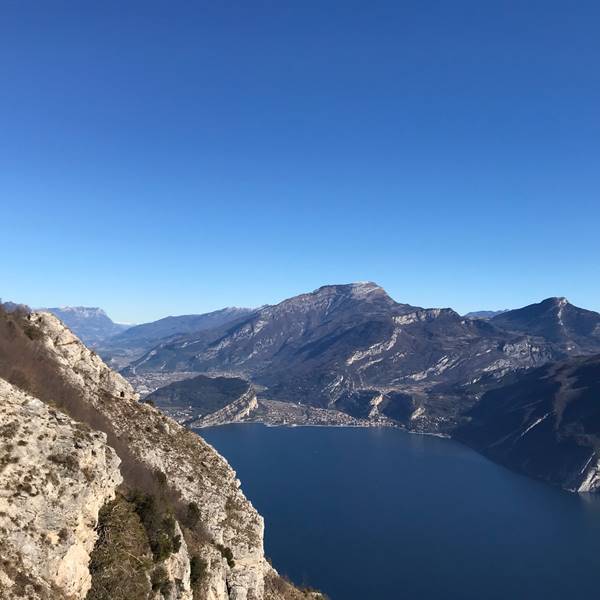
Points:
(355, 285)
(357, 289)
(556, 301)
(362, 292)
(556, 319)
(368, 286)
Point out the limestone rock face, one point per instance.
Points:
(193, 469)
(178, 571)
(55, 475)
(236, 412)
(57, 472)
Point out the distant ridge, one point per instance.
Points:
(120, 349)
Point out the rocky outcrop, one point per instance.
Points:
(55, 475)
(192, 468)
(226, 544)
(238, 411)
(198, 397)
(178, 571)
(145, 437)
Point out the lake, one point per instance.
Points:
(368, 514)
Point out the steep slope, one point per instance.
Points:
(121, 349)
(573, 329)
(544, 423)
(353, 348)
(55, 475)
(91, 325)
(222, 536)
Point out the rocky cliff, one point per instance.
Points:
(189, 528)
(55, 476)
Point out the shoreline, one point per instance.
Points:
(328, 425)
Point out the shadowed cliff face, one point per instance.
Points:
(160, 459)
(545, 423)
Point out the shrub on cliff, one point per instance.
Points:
(122, 558)
(158, 522)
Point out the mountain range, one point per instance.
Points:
(121, 348)
(354, 349)
(350, 354)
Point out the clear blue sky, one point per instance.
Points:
(172, 157)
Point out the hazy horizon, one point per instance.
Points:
(177, 158)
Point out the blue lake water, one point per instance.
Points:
(366, 514)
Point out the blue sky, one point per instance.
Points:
(173, 157)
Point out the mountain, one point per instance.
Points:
(484, 314)
(352, 348)
(91, 325)
(135, 341)
(544, 423)
(106, 497)
(573, 329)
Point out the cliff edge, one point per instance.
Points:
(98, 487)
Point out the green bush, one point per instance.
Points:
(198, 569)
(159, 524)
(121, 560)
